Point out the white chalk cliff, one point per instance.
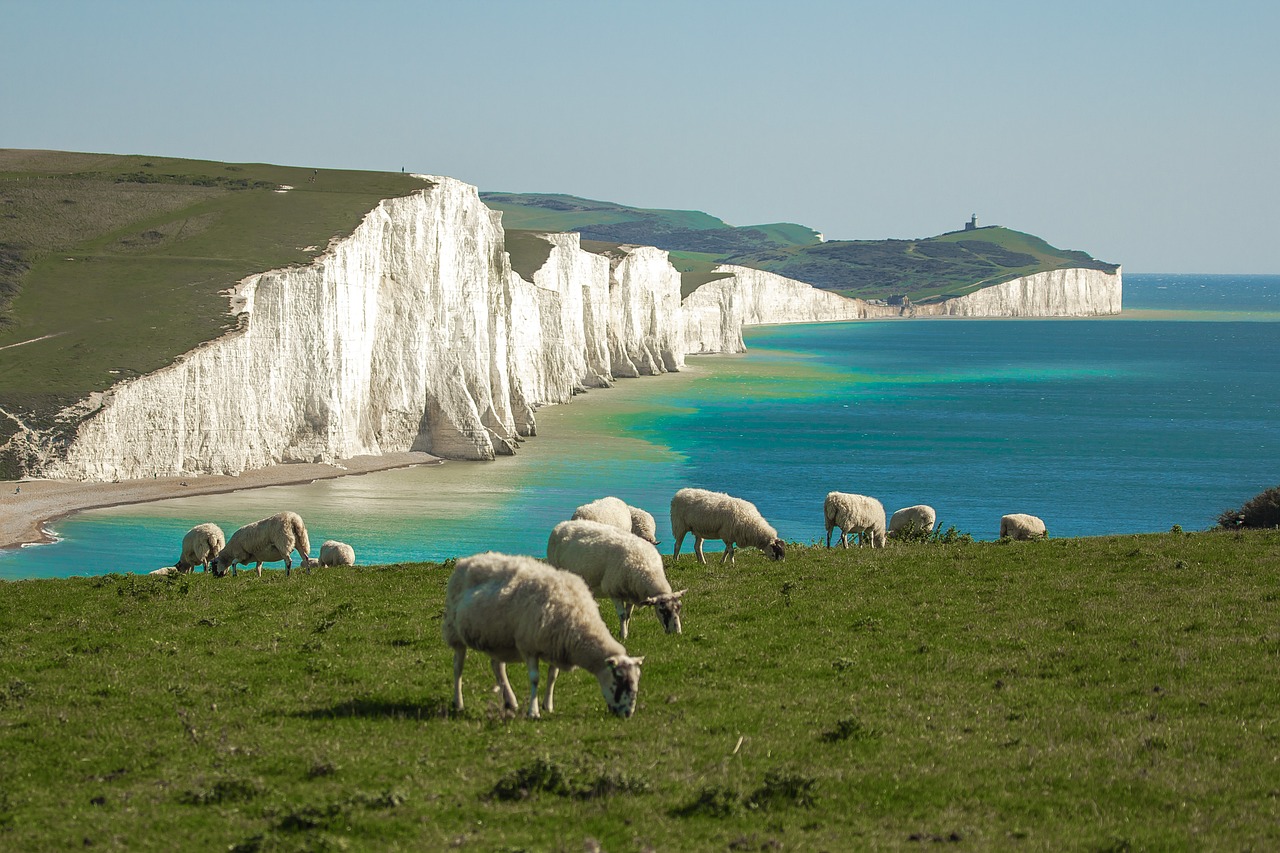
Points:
(414, 333)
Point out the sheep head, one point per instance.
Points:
(620, 682)
(777, 550)
(667, 607)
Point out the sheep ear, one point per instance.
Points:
(638, 661)
(679, 594)
(649, 602)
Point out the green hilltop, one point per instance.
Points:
(923, 270)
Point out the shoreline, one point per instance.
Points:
(27, 506)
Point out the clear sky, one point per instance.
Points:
(1146, 133)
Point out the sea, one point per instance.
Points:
(1167, 414)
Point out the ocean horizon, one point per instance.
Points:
(1165, 415)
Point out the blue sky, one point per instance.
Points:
(1145, 133)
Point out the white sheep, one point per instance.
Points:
(617, 513)
(858, 514)
(521, 609)
(617, 565)
(335, 553)
(266, 541)
(715, 515)
(920, 517)
(200, 547)
(1019, 525)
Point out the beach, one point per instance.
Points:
(26, 506)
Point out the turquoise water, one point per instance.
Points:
(1165, 415)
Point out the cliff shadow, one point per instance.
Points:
(373, 708)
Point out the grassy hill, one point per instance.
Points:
(112, 266)
(926, 269)
(1113, 693)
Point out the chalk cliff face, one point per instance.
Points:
(1057, 293)
(414, 333)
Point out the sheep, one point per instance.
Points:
(617, 565)
(200, 547)
(715, 515)
(266, 541)
(335, 553)
(858, 514)
(521, 609)
(1019, 525)
(616, 513)
(920, 517)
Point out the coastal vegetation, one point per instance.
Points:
(1260, 511)
(922, 270)
(1108, 693)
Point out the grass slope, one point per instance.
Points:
(923, 270)
(1080, 694)
(112, 266)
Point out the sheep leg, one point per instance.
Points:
(459, 658)
(697, 549)
(531, 664)
(288, 564)
(829, 535)
(675, 555)
(259, 568)
(552, 672)
(624, 615)
(728, 554)
(504, 687)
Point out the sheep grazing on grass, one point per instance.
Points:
(335, 553)
(521, 609)
(858, 514)
(919, 518)
(1019, 525)
(200, 547)
(617, 565)
(617, 513)
(715, 515)
(266, 541)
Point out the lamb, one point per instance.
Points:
(335, 553)
(920, 517)
(858, 514)
(1019, 525)
(616, 513)
(618, 565)
(521, 609)
(266, 541)
(200, 546)
(715, 515)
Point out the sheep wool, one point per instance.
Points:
(715, 515)
(921, 517)
(200, 547)
(517, 608)
(858, 514)
(265, 541)
(617, 565)
(1019, 525)
(617, 513)
(335, 553)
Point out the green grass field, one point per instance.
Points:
(1113, 693)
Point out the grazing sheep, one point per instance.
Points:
(335, 553)
(618, 565)
(1019, 525)
(521, 609)
(643, 525)
(616, 513)
(715, 515)
(200, 547)
(266, 541)
(858, 514)
(920, 517)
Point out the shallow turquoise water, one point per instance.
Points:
(1166, 415)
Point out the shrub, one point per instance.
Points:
(1260, 511)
